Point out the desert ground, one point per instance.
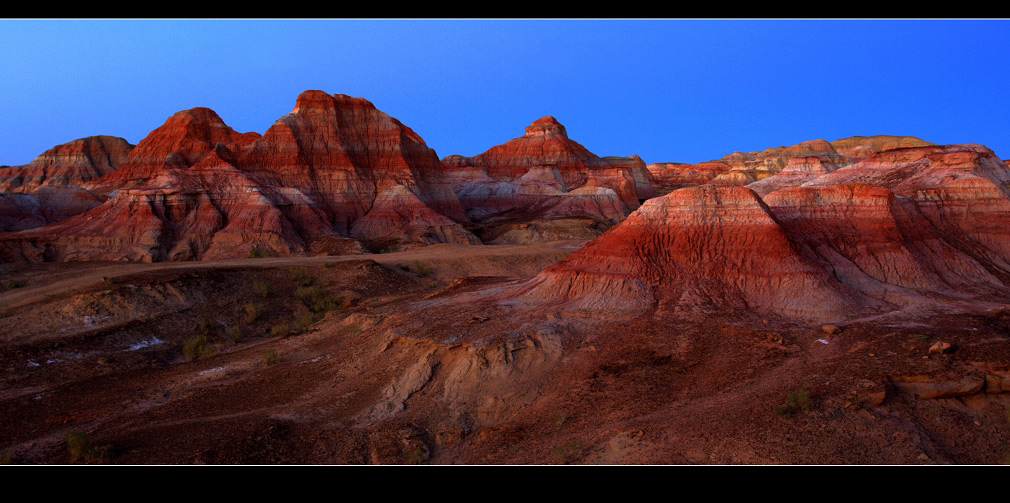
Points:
(411, 357)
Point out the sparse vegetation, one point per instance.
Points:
(924, 338)
(255, 252)
(261, 288)
(797, 401)
(203, 327)
(568, 451)
(79, 445)
(303, 321)
(197, 347)
(390, 248)
(316, 299)
(415, 456)
(559, 420)
(403, 267)
(81, 449)
(11, 284)
(421, 269)
(252, 312)
(301, 276)
(271, 357)
(5, 457)
(279, 329)
(235, 334)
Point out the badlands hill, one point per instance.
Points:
(335, 167)
(334, 175)
(917, 225)
(830, 303)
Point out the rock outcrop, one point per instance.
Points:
(348, 157)
(545, 175)
(70, 164)
(196, 189)
(904, 226)
(49, 188)
(857, 148)
(798, 170)
(699, 249)
(797, 163)
(674, 175)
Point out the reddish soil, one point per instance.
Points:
(414, 359)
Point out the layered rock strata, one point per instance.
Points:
(546, 175)
(196, 189)
(906, 226)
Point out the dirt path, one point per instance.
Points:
(96, 275)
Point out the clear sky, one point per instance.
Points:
(666, 90)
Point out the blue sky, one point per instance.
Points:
(667, 90)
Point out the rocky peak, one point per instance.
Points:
(312, 100)
(546, 126)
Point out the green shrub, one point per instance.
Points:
(235, 334)
(255, 252)
(11, 284)
(197, 347)
(415, 456)
(316, 299)
(203, 327)
(252, 312)
(270, 357)
(301, 276)
(79, 445)
(391, 248)
(303, 321)
(421, 269)
(280, 329)
(797, 400)
(261, 288)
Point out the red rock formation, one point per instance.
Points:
(798, 171)
(343, 153)
(70, 164)
(905, 226)
(48, 189)
(196, 189)
(46, 205)
(752, 168)
(773, 160)
(857, 148)
(673, 175)
(877, 243)
(705, 248)
(19, 211)
(544, 175)
(962, 190)
(182, 141)
(644, 183)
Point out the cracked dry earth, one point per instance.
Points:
(415, 358)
